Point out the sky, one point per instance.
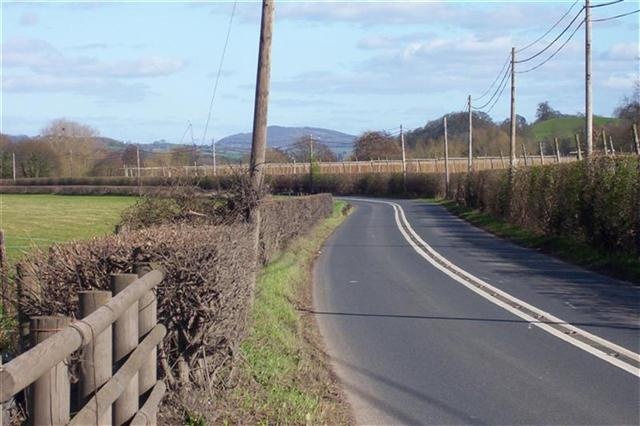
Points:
(142, 71)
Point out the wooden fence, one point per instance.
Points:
(117, 341)
(424, 165)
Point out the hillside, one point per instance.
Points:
(565, 127)
(281, 137)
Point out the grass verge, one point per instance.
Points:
(570, 250)
(285, 377)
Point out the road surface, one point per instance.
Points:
(429, 320)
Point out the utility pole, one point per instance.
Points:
(588, 114)
(512, 136)
(259, 138)
(138, 161)
(14, 168)
(446, 158)
(213, 152)
(404, 158)
(311, 164)
(470, 158)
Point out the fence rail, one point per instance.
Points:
(424, 165)
(118, 333)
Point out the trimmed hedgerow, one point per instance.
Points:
(597, 202)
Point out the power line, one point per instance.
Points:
(550, 29)
(494, 81)
(605, 4)
(554, 53)
(615, 17)
(554, 40)
(499, 95)
(504, 77)
(215, 86)
(185, 131)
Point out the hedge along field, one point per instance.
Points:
(204, 299)
(595, 202)
(40, 220)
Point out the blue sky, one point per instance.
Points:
(140, 71)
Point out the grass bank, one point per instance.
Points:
(285, 377)
(40, 220)
(570, 250)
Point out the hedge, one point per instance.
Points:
(205, 297)
(596, 202)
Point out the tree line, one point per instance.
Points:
(68, 148)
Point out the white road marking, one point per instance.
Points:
(465, 278)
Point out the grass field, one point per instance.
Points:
(40, 220)
(565, 127)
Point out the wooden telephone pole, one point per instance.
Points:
(446, 158)
(512, 136)
(588, 101)
(404, 158)
(213, 153)
(311, 164)
(259, 139)
(470, 158)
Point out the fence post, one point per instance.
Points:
(635, 138)
(611, 147)
(579, 151)
(97, 356)
(49, 396)
(526, 157)
(541, 153)
(147, 319)
(502, 160)
(555, 141)
(125, 340)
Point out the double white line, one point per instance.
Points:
(608, 351)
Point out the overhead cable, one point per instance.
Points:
(550, 29)
(554, 40)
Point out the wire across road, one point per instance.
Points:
(429, 320)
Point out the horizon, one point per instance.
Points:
(344, 66)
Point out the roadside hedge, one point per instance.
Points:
(205, 297)
(597, 202)
(371, 184)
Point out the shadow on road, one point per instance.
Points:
(488, 320)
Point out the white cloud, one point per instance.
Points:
(624, 81)
(623, 52)
(42, 58)
(37, 66)
(96, 87)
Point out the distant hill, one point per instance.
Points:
(565, 127)
(235, 146)
(281, 137)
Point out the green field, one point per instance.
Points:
(565, 127)
(40, 220)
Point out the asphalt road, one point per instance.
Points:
(412, 345)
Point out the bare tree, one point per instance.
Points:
(74, 144)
